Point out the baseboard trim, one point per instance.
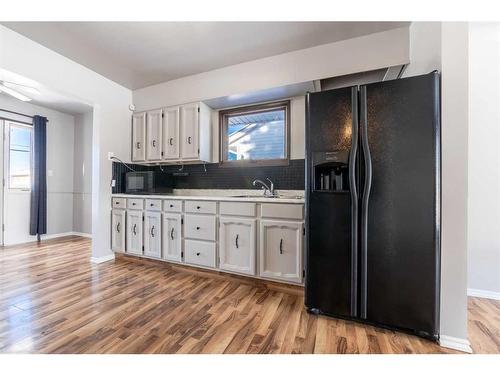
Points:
(103, 259)
(483, 293)
(81, 234)
(65, 234)
(455, 343)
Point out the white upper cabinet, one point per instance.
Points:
(281, 250)
(175, 134)
(139, 136)
(237, 249)
(152, 234)
(190, 131)
(171, 149)
(154, 128)
(172, 244)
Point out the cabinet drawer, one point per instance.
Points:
(199, 253)
(172, 206)
(285, 211)
(201, 207)
(200, 227)
(237, 208)
(135, 204)
(153, 204)
(119, 203)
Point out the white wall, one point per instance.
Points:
(60, 133)
(375, 51)
(111, 117)
(82, 177)
(484, 160)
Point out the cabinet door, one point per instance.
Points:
(172, 249)
(281, 250)
(189, 131)
(171, 133)
(152, 234)
(138, 136)
(154, 128)
(118, 230)
(134, 232)
(237, 245)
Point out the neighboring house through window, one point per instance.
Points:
(256, 135)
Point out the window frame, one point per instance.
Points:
(8, 158)
(251, 109)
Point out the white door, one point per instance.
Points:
(172, 245)
(138, 136)
(152, 234)
(1, 180)
(154, 134)
(237, 245)
(281, 250)
(118, 230)
(171, 133)
(134, 232)
(189, 131)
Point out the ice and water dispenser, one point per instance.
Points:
(331, 171)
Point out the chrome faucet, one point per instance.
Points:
(268, 190)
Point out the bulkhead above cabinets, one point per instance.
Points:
(175, 134)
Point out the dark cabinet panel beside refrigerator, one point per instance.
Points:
(373, 203)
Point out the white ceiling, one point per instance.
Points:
(140, 54)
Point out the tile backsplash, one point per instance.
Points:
(194, 176)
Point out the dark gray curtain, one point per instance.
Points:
(38, 218)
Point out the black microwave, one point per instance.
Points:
(140, 182)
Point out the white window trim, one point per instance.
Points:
(7, 127)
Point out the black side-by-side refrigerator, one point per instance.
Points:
(373, 203)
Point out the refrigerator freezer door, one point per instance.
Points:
(400, 256)
(331, 212)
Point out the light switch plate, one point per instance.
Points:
(113, 183)
(50, 172)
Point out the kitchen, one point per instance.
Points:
(274, 209)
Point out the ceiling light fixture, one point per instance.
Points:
(19, 86)
(14, 93)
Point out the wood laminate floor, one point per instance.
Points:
(53, 300)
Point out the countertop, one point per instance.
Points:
(285, 196)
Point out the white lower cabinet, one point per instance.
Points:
(152, 234)
(281, 250)
(263, 241)
(200, 253)
(172, 235)
(134, 232)
(118, 230)
(237, 250)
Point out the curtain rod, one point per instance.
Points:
(16, 113)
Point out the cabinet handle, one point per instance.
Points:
(198, 207)
(189, 140)
(198, 254)
(117, 202)
(172, 233)
(133, 204)
(236, 241)
(171, 205)
(281, 246)
(138, 145)
(171, 141)
(118, 227)
(133, 229)
(152, 204)
(154, 143)
(153, 231)
(197, 228)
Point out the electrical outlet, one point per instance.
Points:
(110, 155)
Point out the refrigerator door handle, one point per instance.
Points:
(364, 202)
(354, 202)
